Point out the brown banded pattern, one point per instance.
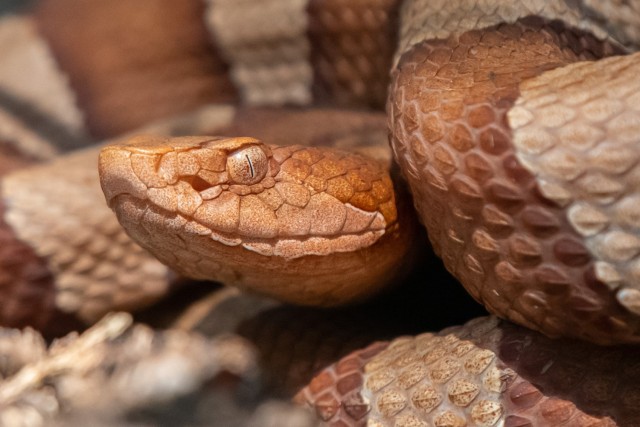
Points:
(304, 52)
(134, 62)
(91, 267)
(27, 285)
(512, 248)
(485, 373)
(575, 129)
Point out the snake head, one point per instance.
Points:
(222, 208)
(245, 192)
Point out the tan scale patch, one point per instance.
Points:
(622, 18)
(433, 19)
(448, 395)
(577, 384)
(266, 45)
(576, 129)
(27, 289)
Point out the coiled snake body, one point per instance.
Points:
(514, 124)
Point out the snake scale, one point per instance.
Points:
(514, 126)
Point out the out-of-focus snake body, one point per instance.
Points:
(521, 159)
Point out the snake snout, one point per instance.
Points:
(116, 175)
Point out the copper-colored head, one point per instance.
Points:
(308, 225)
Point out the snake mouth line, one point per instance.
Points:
(286, 246)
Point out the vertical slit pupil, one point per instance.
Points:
(250, 166)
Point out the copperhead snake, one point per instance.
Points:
(515, 127)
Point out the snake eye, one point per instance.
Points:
(248, 165)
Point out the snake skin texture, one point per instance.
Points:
(489, 214)
(94, 266)
(582, 150)
(512, 248)
(27, 287)
(118, 54)
(485, 373)
(301, 52)
(621, 18)
(425, 19)
(352, 46)
(266, 48)
(532, 207)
